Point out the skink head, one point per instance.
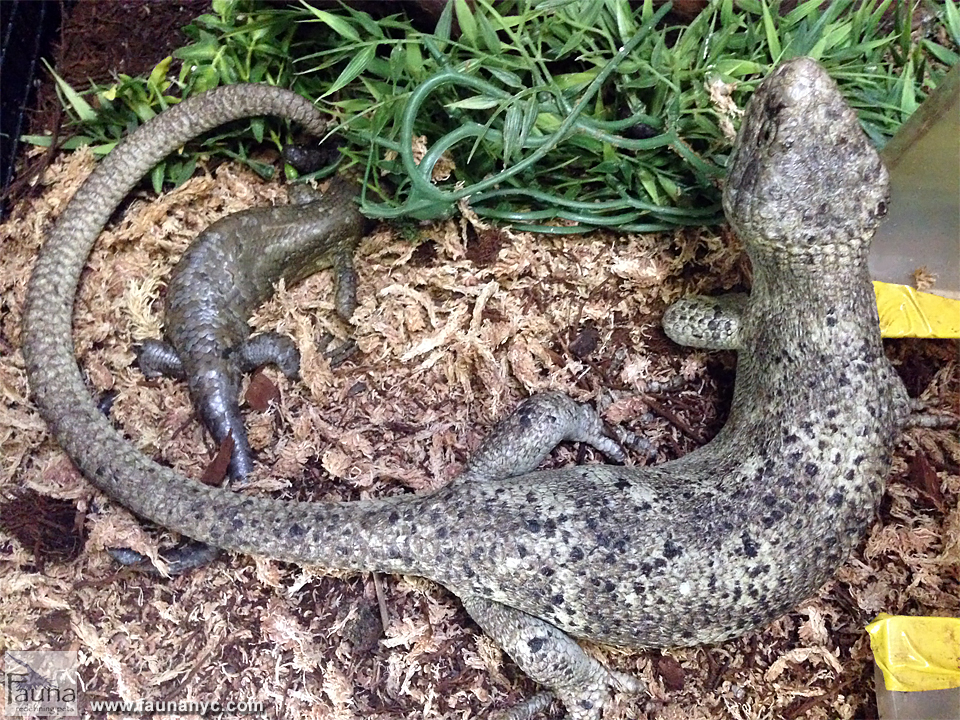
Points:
(802, 173)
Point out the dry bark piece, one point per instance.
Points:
(261, 391)
(923, 477)
(671, 672)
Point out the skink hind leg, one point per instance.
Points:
(157, 358)
(551, 658)
(269, 348)
(344, 274)
(528, 709)
(921, 416)
(345, 302)
(178, 560)
(521, 441)
(706, 322)
(345, 277)
(338, 354)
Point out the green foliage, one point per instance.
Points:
(588, 110)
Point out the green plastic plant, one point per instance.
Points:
(592, 111)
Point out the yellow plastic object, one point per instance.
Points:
(905, 312)
(916, 653)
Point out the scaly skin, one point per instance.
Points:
(693, 551)
(229, 271)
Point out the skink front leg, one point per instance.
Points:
(552, 658)
(522, 440)
(706, 322)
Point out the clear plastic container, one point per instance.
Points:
(923, 228)
(916, 705)
(917, 671)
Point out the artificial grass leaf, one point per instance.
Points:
(533, 119)
(944, 55)
(157, 175)
(952, 15)
(508, 78)
(444, 23)
(512, 126)
(80, 106)
(414, 60)
(466, 21)
(336, 23)
(477, 102)
(770, 30)
(489, 34)
(621, 10)
(353, 69)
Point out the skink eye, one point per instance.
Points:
(766, 134)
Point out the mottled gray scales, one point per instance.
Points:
(706, 322)
(696, 550)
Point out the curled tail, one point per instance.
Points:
(98, 450)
